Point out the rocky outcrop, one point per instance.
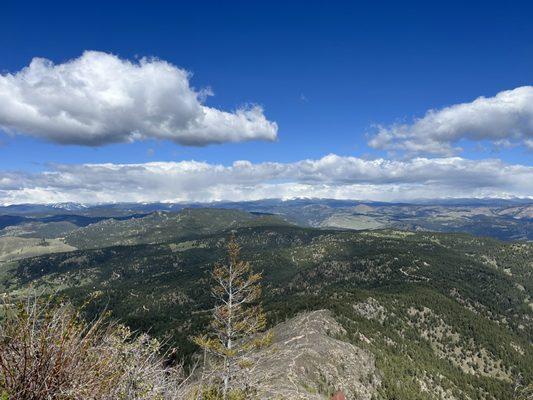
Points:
(308, 360)
(338, 396)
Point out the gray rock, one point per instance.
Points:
(308, 360)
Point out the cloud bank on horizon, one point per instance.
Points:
(505, 119)
(332, 176)
(98, 99)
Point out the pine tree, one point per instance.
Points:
(237, 314)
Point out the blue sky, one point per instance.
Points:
(325, 72)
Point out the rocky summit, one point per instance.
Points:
(308, 359)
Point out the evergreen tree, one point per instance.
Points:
(237, 315)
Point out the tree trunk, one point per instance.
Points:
(226, 380)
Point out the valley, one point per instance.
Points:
(442, 314)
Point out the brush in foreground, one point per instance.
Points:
(47, 351)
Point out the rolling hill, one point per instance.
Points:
(499, 218)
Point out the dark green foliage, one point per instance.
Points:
(479, 287)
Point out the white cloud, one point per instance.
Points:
(99, 98)
(331, 176)
(508, 117)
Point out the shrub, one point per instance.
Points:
(47, 351)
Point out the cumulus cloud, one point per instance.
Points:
(331, 176)
(99, 98)
(504, 118)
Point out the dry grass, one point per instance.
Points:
(16, 248)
